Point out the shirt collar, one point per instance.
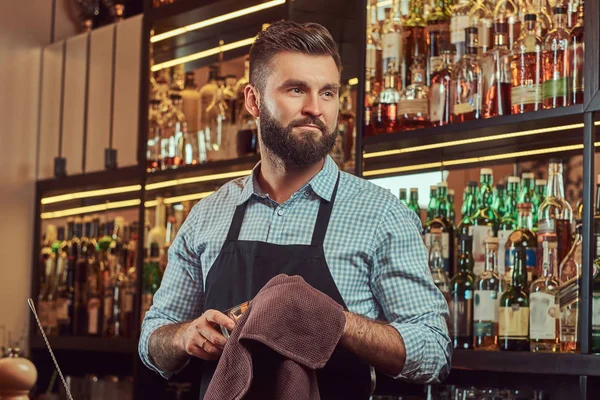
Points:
(322, 183)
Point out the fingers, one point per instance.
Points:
(219, 318)
(212, 354)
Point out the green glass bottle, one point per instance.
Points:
(527, 188)
(514, 308)
(451, 210)
(523, 237)
(413, 202)
(442, 222)
(402, 197)
(462, 287)
(485, 220)
(508, 221)
(499, 202)
(469, 207)
(432, 206)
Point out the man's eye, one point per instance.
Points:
(295, 90)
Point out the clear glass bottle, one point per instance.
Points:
(543, 21)
(413, 105)
(153, 146)
(374, 51)
(458, 23)
(392, 40)
(440, 100)
(386, 118)
(462, 286)
(570, 266)
(522, 238)
(482, 17)
(527, 78)
(215, 118)
(555, 215)
(556, 62)
(576, 59)
(514, 309)
(497, 75)
(569, 298)
(467, 82)
(191, 103)
(436, 263)
(371, 107)
(507, 11)
(543, 302)
(488, 289)
(415, 40)
(438, 36)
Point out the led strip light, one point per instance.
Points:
(216, 20)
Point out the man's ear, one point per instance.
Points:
(252, 98)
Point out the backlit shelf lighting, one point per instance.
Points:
(203, 54)
(472, 140)
(90, 209)
(216, 20)
(197, 179)
(472, 160)
(179, 199)
(90, 193)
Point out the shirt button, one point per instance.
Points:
(280, 212)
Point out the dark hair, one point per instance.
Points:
(308, 38)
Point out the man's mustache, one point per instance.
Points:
(309, 121)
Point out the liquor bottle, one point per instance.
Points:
(467, 82)
(514, 308)
(413, 104)
(488, 289)
(522, 238)
(576, 59)
(497, 75)
(346, 124)
(507, 11)
(556, 63)
(539, 196)
(440, 100)
(484, 220)
(543, 302)
(569, 295)
(527, 78)
(58, 302)
(458, 23)
(47, 269)
(596, 300)
(508, 223)
(413, 203)
(392, 40)
(94, 309)
(482, 17)
(151, 278)
(441, 222)
(215, 121)
(468, 209)
(438, 32)
(555, 214)
(570, 266)
(415, 40)
(66, 292)
(155, 127)
(499, 202)
(106, 277)
(432, 206)
(461, 298)
(451, 211)
(436, 263)
(374, 50)
(371, 108)
(208, 92)
(191, 103)
(386, 118)
(402, 196)
(177, 145)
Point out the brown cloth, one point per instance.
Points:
(289, 330)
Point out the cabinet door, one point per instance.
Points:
(74, 103)
(99, 97)
(127, 90)
(52, 64)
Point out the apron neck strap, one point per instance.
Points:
(320, 227)
(323, 217)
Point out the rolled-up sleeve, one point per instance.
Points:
(402, 283)
(181, 293)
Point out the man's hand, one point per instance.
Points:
(170, 346)
(202, 337)
(375, 342)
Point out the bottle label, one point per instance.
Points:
(392, 49)
(556, 88)
(543, 316)
(371, 58)
(415, 107)
(435, 63)
(93, 309)
(502, 239)
(437, 102)
(514, 321)
(479, 234)
(463, 108)
(481, 328)
(487, 303)
(458, 24)
(531, 94)
(530, 262)
(460, 315)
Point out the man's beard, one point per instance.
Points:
(299, 150)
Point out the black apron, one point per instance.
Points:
(244, 267)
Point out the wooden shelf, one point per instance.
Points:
(456, 145)
(82, 343)
(526, 362)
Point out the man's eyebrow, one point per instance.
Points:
(332, 86)
(291, 83)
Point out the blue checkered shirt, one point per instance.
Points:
(373, 248)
